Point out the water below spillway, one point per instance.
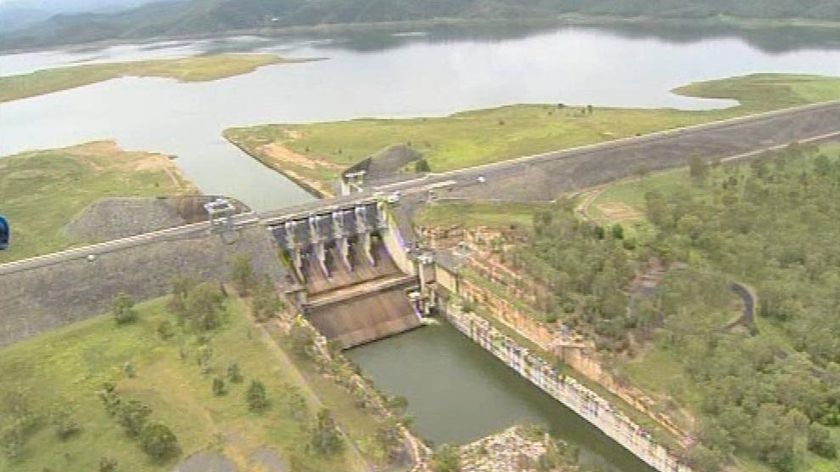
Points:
(457, 393)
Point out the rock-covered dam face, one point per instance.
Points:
(350, 286)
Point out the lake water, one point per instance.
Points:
(376, 75)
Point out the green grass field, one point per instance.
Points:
(63, 369)
(42, 191)
(495, 215)
(481, 136)
(190, 69)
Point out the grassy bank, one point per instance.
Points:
(190, 69)
(62, 370)
(319, 151)
(42, 191)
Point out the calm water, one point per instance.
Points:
(458, 393)
(376, 74)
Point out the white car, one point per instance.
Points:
(481, 179)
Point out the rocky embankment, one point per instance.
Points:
(50, 296)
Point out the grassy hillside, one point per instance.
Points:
(61, 372)
(319, 151)
(42, 191)
(190, 69)
(203, 16)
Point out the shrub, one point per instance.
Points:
(131, 415)
(326, 438)
(159, 442)
(123, 309)
(446, 459)
(65, 425)
(107, 464)
(219, 387)
(256, 396)
(233, 373)
(422, 166)
(242, 274)
(819, 441)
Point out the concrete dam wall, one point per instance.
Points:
(354, 272)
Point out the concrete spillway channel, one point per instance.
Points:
(352, 290)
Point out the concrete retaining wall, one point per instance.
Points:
(397, 246)
(566, 390)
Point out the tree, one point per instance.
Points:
(242, 274)
(204, 307)
(132, 415)
(159, 442)
(256, 397)
(422, 166)
(820, 442)
(123, 309)
(266, 302)
(219, 387)
(705, 459)
(617, 231)
(326, 438)
(446, 459)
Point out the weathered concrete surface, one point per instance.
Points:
(267, 460)
(47, 297)
(206, 461)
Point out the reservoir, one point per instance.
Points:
(456, 391)
(380, 74)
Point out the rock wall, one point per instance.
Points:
(50, 296)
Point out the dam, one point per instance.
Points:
(358, 279)
(353, 279)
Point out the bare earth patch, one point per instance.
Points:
(282, 155)
(619, 211)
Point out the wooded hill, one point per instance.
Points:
(186, 17)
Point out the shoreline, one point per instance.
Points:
(561, 20)
(308, 185)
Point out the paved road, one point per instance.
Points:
(545, 176)
(178, 232)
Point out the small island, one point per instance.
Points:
(188, 69)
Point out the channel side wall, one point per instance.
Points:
(586, 403)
